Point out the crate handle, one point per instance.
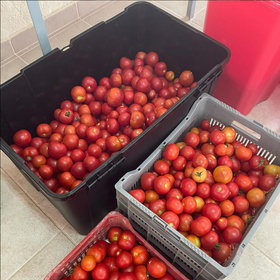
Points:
(246, 130)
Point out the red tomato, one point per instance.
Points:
(192, 139)
(201, 226)
(225, 160)
(162, 185)
(78, 94)
(229, 133)
(113, 249)
(29, 153)
(212, 161)
(222, 223)
(171, 219)
(139, 254)
(256, 197)
(175, 205)
(174, 193)
(137, 119)
(267, 182)
(127, 240)
(161, 167)
(46, 171)
(217, 137)
(127, 276)
(22, 138)
(219, 192)
(205, 125)
(158, 206)
(227, 208)
(243, 153)
(209, 240)
(189, 204)
(44, 130)
(244, 182)
(203, 190)
(200, 160)
(113, 144)
(100, 272)
(171, 152)
(66, 116)
(237, 222)
(221, 252)
(188, 187)
(207, 148)
(56, 150)
(114, 234)
(151, 196)
(233, 188)
(124, 259)
(179, 163)
(138, 194)
(98, 252)
(212, 211)
(258, 162)
(187, 152)
(232, 235)
(253, 148)
(241, 204)
(185, 221)
(156, 267)
(147, 180)
(79, 274)
(64, 163)
(222, 174)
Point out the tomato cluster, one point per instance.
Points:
(121, 258)
(101, 119)
(208, 187)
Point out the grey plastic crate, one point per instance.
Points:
(188, 258)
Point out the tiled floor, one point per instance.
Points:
(35, 236)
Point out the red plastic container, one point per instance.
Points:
(251, 30)
(113, 219)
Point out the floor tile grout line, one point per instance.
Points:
(264, 254)
(36, 253)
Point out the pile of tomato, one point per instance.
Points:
(208, 187)
(100, 120)
(121, 258)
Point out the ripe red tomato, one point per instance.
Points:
(241, 204)
(171, 152)
(156, 267)
(98, 252)
(243, 153)
(267, 182)
(229, 133)
(29, 153)
(212, 211)
(187, 152)
(237, 222)
(209, 240)
(147, 180)
(203, 190)
(221, 252)
(192, 139)
(222, 223)
(114, 234)
(46, 171)
(233, 189)
(225, 160)
(244, 182)
(175, 205)
(161, 167)
(217, 137)
(55, 150)
(253, 148)
(22, 138)
(113, 249)
(185, 221)
(138, 194)
(88, 263)
(219, 192)
(89, 83)
(162, 185)
(100, 272)
(179, 163)
(212, 161)
(232, 235)
(64, 163)
(188, 187)
(113, 144)
(66, 179)
(127, 240)
(78, 94)
(189, 204)
(201, 226)
(158, 206)
(124, 260)
(258, 162)
(199, 160)
(171, 219)
(79, 274)
(139, 254)
(227, 208)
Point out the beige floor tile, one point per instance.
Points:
(196, 26)
(267, 237)
(11, 69)
(24, 228)
(62, 38)
(254, 265)
(107, 12)
(267, 112)
(32, 54)
(72, 234)
(200, 5)
(37, 197)
(45, 260)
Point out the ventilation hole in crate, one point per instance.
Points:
(186, 118)
(164, 143)
(139, 168)
(122, 179)
(259, 151)
(272, 160)
(246, 142)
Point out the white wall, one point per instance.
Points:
(15, 15)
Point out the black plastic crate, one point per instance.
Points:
(30, 97)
